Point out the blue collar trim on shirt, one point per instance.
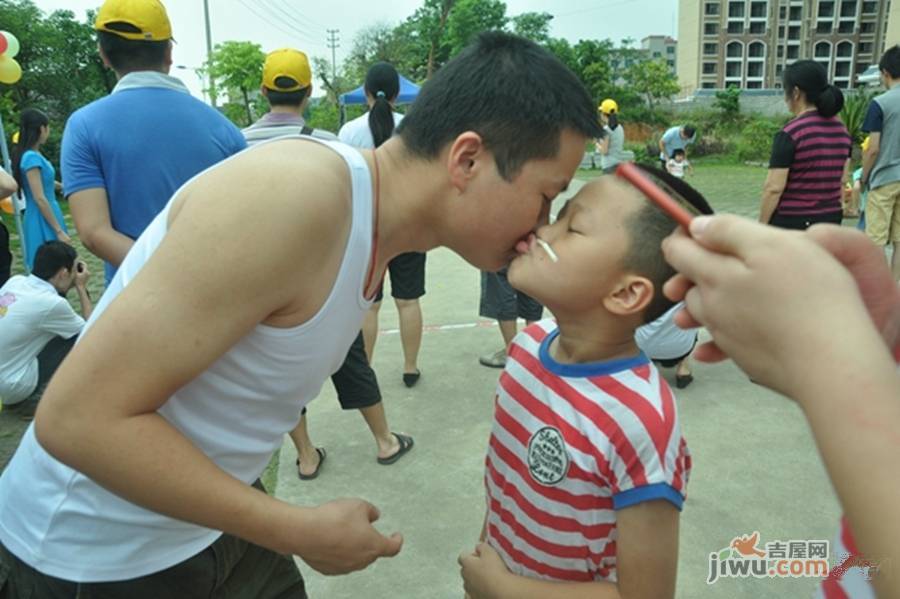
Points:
(587, 369)
(142, 79)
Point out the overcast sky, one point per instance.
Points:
(303, 23)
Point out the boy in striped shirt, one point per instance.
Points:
(586, 467)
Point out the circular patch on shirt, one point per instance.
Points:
(548, 460)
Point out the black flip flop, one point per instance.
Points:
(322, 454)
(411, 378)
(683, 380)
(406, 443)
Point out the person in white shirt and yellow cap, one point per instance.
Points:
(611, 146)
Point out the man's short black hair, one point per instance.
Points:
(131, 55)
(890, 62)
(516, 95)
(689, 130)
(52, 256)
(293, 99)
(648, 227)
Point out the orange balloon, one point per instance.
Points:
(6, 205)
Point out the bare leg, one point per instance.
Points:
(410, 313)
(508, 330)
(306, 451)
(684, 367)
(895, 262)
(376, 419)
(370, 330)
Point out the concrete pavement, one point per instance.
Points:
(755, 464)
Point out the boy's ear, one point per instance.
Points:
(465, 154)
(630, 296)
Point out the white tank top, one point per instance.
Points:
(237, 411)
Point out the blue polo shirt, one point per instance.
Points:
(141, 143)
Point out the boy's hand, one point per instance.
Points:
(339, 537)
(483, 572)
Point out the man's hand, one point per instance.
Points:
(483, 572)
(338, 537)
(82, 274)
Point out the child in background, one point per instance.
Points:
(678, 164)
(858, 194)
(586, 468)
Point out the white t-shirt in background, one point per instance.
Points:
(31, 314)
(662, 339)
(356, 133)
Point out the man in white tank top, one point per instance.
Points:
(218, 329)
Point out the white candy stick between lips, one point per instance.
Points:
(548, 249)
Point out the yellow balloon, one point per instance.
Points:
(10, 71)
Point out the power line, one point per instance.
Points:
(285, 17)
(275, 24)
(300, 16)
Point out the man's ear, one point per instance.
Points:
(264, 91)
(466, 154)
(631, 295)
(103, 57)
(168, 58)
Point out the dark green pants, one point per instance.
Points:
(230, 568)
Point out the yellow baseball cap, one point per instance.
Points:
(147, 16)
(286, 62)
(608, 106)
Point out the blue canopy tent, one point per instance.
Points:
(408, 93)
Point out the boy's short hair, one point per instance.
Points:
(647, 228)
(131, 55)
(890, 62)
(676, 152)
(52, 256)
(690, 130)
(515, 94)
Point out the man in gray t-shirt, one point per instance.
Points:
(881, 162)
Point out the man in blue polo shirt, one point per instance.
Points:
(125, 155)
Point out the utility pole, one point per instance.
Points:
(333, 43)
(212, 82)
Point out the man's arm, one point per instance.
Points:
(774, 186)
(646, 563)
(90, 211)
(197, 296)
(82, 274)
(870, 157)
(8, 185)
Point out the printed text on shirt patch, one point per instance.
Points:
(548, 460)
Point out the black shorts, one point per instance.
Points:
(801, 223)
(229, 567)
(407, 277)
(673, 362)
(500, 301)
(355, 381)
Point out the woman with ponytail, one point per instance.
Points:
(37, 179)
(810, 161)
(407, 270)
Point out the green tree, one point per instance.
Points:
(728, 101)
(533, 25)
(653, 80)
(61, 69)
(470, 17)
(237, 67)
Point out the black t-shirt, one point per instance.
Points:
(782, 151)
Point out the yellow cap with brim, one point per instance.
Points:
(148, 17)
(608, 106)
(289, 63)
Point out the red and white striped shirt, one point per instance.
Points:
(571, 444)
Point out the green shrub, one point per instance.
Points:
(854, 113)
(755, 142)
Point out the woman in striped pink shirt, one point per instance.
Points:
(811, 156)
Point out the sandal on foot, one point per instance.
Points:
(411, 378)
(315, 473)
(406, 443)
(683, 380)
